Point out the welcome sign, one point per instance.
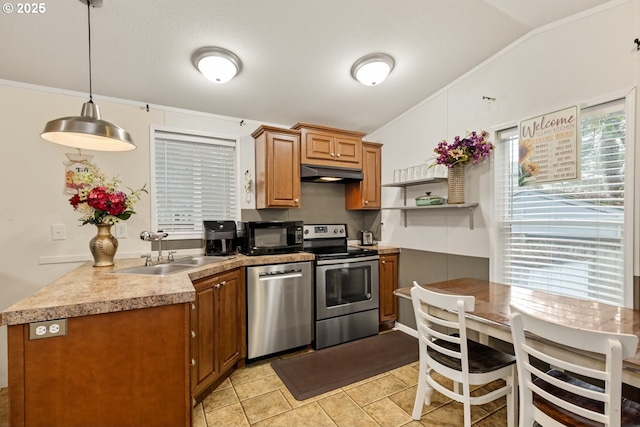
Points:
(548, 148)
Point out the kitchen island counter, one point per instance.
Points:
(89, 290)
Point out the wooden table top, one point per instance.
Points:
(493, 300)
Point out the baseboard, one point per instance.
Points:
(406, 330)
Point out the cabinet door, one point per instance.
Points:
(348, 151)
(204, 370)
(318, 148)
(366, 193)
(388, 283)
(230, 318)
(283, 171)
(277, 167)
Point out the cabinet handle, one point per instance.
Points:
(193, 334)
(384, 262)
(295, 202)
(218, 286)
(333, 155)
(366, 202)
(193, 306)
(338, 155)
(193, 362)
(224, 282)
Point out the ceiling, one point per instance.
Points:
(296, 54)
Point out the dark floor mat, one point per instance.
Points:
(311, 374)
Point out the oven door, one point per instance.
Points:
(345, 286)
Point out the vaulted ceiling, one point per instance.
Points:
(296, 54)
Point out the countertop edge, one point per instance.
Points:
(88, 290)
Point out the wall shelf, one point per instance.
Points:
(405, 208)
(470, 206)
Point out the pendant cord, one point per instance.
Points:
(89, 26)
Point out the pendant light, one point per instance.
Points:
(88, 131)
(371, 70)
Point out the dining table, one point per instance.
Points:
(492, 311)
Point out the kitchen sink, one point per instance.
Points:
(173, 267)
(155, 270)
(202, 260)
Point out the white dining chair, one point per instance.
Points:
(445, 349)
(571, 393)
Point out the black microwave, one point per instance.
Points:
(270, 237)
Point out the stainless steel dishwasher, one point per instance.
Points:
(279, 308)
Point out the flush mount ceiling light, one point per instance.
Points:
(88, 131)
(371, 70)
(216, 64)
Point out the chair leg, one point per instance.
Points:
(512, 400)
(420, 393)
(467, 414)
(428, 392)
(466, 394)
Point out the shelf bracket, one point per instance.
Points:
(471, 208)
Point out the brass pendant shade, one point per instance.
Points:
(88, 131)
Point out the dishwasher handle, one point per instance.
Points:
(278, 275)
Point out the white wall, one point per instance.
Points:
(587, 57)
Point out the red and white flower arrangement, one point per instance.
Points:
(100, 200)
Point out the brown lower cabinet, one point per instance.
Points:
(217, 330)
(127, 368)
(388, 309)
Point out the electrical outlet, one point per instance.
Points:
(121, 230)
(47, 329)
(58, 232)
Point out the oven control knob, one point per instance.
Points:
(306, 231)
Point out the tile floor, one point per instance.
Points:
(255, 396)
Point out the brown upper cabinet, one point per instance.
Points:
(325, 146)
(366, 193)
(277, 167)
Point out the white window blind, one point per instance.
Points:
(567, 237)
(195, 180)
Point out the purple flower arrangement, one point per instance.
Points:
(473, 148)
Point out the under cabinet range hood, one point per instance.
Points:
(313, 173)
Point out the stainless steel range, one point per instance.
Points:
(346, 286)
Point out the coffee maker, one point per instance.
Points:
(220, 238)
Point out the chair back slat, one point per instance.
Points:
(570, 386)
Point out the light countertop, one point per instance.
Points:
(89, 290)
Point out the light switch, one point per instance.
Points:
(58, 232)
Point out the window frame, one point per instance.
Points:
(631, 232)
(190, 133)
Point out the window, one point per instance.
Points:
(568, 237)
(194, 179)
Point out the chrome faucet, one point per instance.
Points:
(155, 237)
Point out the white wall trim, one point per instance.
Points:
(406, 329)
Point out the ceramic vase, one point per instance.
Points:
(456, 185)
(103, 246)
